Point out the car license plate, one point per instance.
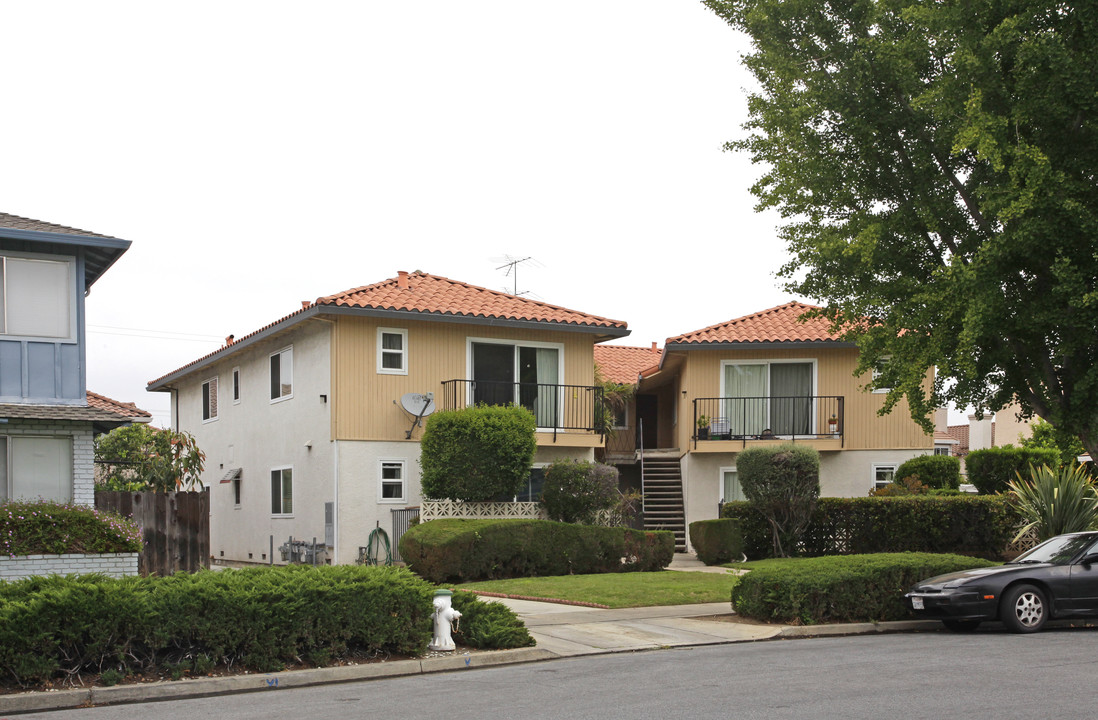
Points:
(916, 602)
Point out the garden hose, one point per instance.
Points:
(377, 537)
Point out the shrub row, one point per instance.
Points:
(51, 528)
(992, 468)
(852, 588)
(940, 472)
(966, 524)
(467, 550)
(259, 619)
(716, 541)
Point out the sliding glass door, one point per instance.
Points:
(537, 369)
(774, 396)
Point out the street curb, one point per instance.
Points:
(259, 682)
(894, 626)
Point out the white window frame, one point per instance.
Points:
(7, 492)
(470, 341)
(877, 374)
(720, 481)
(381, 480)
(70, 287)
(283, 354)
(382, 352)
(211, 399)
(779, 361)
(625, 415)
(236, 386)
(894, 466)
(282, 481)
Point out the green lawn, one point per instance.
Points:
(619, 590)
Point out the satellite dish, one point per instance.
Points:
(419, 404)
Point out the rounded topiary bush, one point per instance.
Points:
(477, 454)
(991, 469)
(576, 490)
(935, 471)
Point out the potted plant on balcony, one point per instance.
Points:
(703, 427)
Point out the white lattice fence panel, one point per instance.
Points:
(1026, 542)
(437, 509)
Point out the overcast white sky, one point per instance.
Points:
(262, 153)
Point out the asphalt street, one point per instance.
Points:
(988, 674)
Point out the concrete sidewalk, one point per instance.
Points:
(560, 631)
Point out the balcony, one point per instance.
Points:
(557, 408)
(746, 419)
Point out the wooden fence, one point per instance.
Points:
(176, 527)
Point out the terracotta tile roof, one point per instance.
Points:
(622, 363)
(960, 434)
(778, 324)
(129, 410)
(424, 293)
(430, 295)
(21, 223)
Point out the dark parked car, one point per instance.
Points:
(1056, 579)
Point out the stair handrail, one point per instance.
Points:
(640, 443)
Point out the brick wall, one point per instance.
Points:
(24, 566)
(83, 450)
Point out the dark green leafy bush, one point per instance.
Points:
(934, 471)
(488, 624)
(477, 454)
(50, 528)
(852, 588)
(466, 550)
(260, 619)
(576, 490)
(966, 524)
(782, 483)
(716, 541)
(991, 469)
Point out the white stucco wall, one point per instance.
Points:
(360, 507)
(848, 473)
(258, 435)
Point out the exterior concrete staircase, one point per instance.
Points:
(663, 502)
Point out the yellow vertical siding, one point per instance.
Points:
(363, 400)
(864, 428)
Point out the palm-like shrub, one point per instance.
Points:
(1055, 501)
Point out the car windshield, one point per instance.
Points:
(1058, 550)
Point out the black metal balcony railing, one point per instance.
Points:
(555, 407)
(806, 417)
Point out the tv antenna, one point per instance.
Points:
(512, 263)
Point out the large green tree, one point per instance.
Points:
(934, 164)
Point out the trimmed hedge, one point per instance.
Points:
(935, 471)
(852, 588)
(467, 550)
(477, 454)
(967, 524)
(43, 527)
(716, 541)
(260, 619)
(991, 469)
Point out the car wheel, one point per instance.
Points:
(1023, 609)
(961, 625)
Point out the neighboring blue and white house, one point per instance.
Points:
(47, 418)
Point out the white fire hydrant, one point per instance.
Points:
(444, 616)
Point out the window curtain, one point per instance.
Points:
(547, 404)
(745, 406)
(791, 398)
